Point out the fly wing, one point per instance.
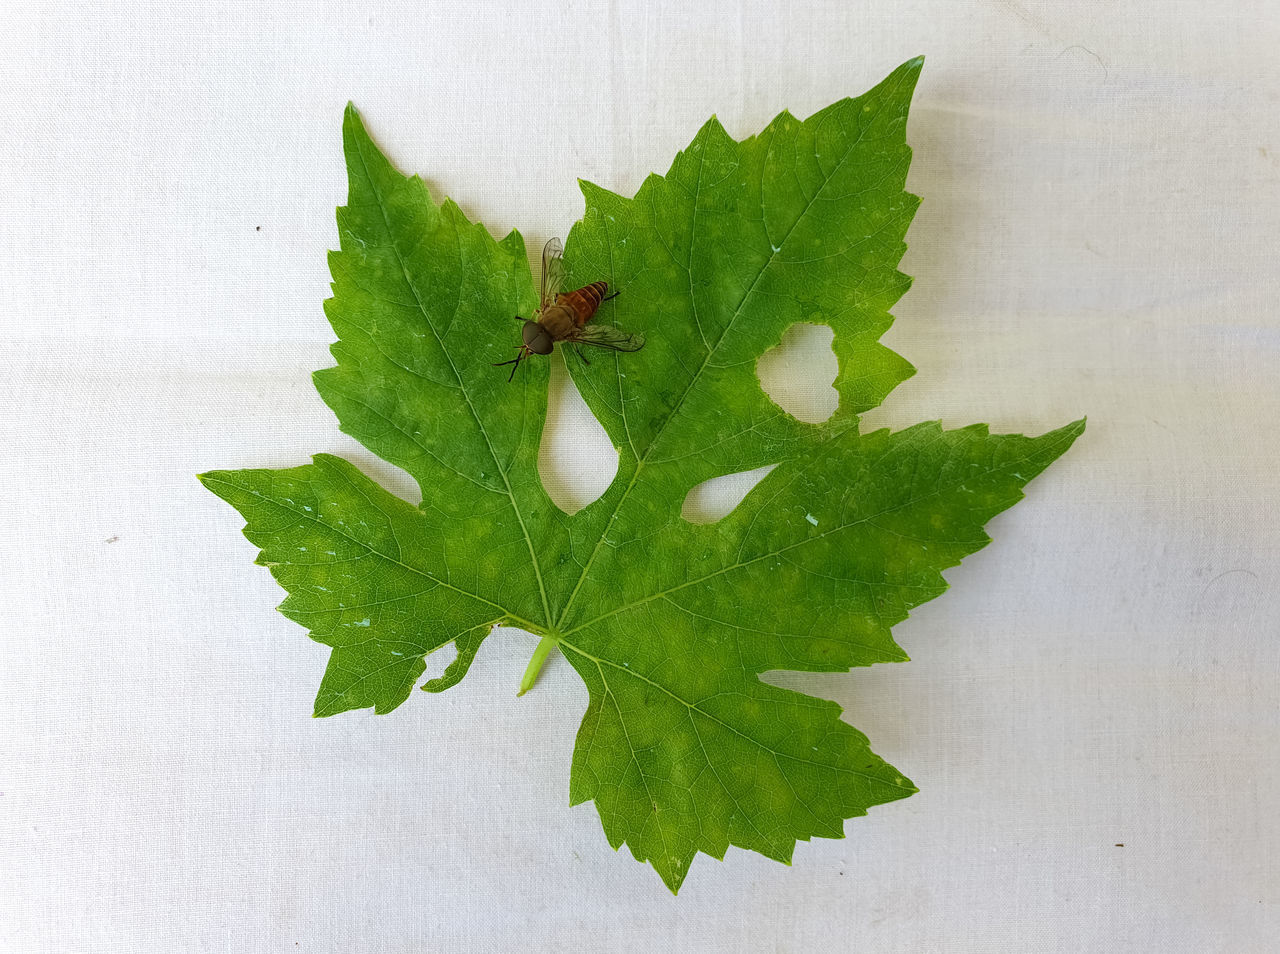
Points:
(552, 271)
(607, 336)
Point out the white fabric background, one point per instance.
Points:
(1101, 186)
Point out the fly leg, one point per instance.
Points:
(581, 357)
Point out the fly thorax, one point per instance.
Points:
(558, 320)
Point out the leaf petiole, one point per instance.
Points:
(545, 645)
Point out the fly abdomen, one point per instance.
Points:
(584, 301)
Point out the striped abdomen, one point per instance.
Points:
(584, 302)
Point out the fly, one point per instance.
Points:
(563, 316)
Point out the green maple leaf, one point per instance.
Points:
(683, 748)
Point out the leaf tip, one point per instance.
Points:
(215, 481)
(901, 83)
(909, 71)
(673, 878)
(712, 126)
(1067, 434)
(591, 191)
(783, 117)
(321, 710)
(357, 142)
(351, 121)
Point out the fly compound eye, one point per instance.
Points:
(536, 338)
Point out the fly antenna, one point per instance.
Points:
(514, 361)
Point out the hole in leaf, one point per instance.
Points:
(798, 373)
(438, 661)
(576, 460)
(715, 499)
